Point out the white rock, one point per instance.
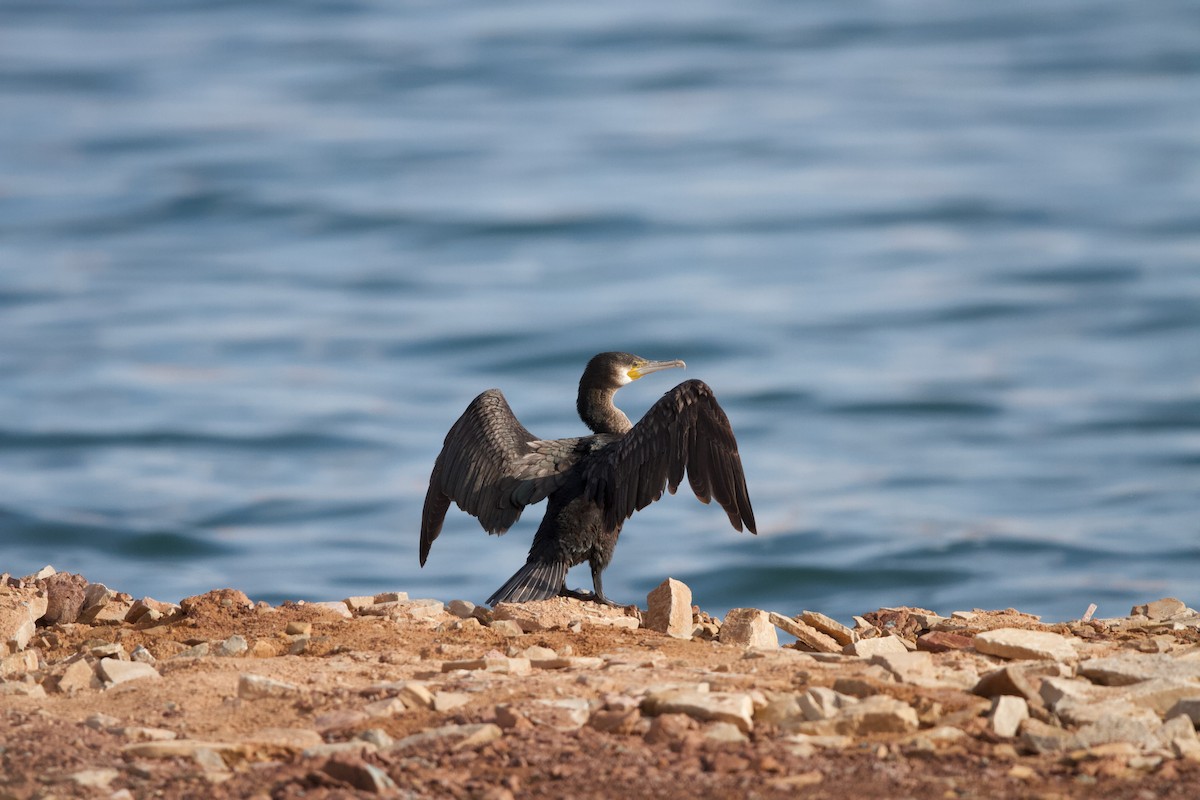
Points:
(253, 687)
(669, 609)
(821, 702)
(805, 634)
(881, 645)
(733, 707)
(828, 626)
(749, 627)
(461, 608)
(116, 672)
(1007, 714)
(1024, 644)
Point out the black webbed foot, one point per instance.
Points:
(582, 594)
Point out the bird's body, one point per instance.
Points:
(492, 467)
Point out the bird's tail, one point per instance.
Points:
(537, 580)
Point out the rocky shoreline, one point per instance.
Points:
(105, 695)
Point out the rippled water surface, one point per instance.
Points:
(940, 262)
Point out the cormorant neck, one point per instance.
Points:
(596, 409)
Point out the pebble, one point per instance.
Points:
(749, 627)
(725, 733)
(447, 701)
(94, 778)
(1025, 644)
(337, 607)
(298, 628)
(507, 627)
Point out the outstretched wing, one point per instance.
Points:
(685, 430)
(492, 467)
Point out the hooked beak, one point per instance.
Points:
(646, 367)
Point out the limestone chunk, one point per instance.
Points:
(828, 626)
(1164, 609)
(115, 671)
(1188, 707)
(669, 609)
(1130, 668)
(1025, 644)
(1007, 714)
(749, 627)
(866, 648)
(821, 702)
(501, 664)
(463, 736)
(805, 634)
(907, 667)
(78, 675)
(463, 609)
(733, 707)
(253, 687)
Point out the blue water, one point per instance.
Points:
(939, 260)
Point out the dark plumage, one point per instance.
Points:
(492, 467)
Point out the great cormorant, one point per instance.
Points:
(492, 467)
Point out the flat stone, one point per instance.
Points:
(448, 701)
(828, 626)
(463, 736)
(254, 687)
(1115, 728)
(116, 672)
(1129, 668)
(878, 713)
(724, 733)
(178, 748)
(94, 778)
(387, 707)
(1024, 644)
(749, 627)
(733, 707)
(504, 665)
(568, 662)
(149, 610)
(390, 597)
(805, 634)
(139, 733)
(1164, 609)
(359, 774)
(1007, 714)
(355, 747)
(944, 641)
(290, 740)
(669, 609)
(563, 612)
(866, 648)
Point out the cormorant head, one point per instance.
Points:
(614, 370)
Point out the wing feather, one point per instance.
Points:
(685, 433)
(492, 467)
